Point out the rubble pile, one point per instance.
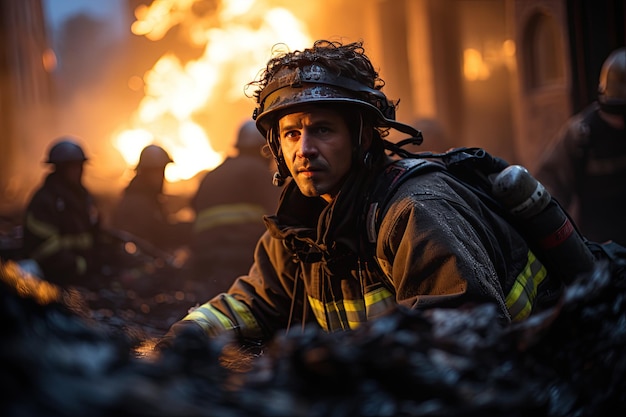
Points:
(568, 361)
(58, 359)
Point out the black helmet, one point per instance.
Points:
(612, 85)
(64, 150)
(328, 72)
(153, 156)
(315, 83)
(249, 139)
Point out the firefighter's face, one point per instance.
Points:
(72, 172)
(317, 149)
(154, 177)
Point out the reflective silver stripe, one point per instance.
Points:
(378, 302)
(520, 299)
(328, 315)
(355, 312)
(228, 214)
(344, 314)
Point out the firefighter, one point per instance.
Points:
(142, 212)
(230, 203)
(62, 223)
(585, 166)
(322, 260)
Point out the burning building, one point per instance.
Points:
(502, 75)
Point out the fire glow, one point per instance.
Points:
(237, 37)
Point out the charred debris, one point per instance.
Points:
(58, 358)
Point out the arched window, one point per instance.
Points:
(543, 52)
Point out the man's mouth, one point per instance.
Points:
(308, 171)
(309, 168)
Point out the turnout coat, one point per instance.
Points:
(585, 170)
(438, 245)
(62, 231)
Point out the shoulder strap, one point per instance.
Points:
(471, 166)
(391, 178)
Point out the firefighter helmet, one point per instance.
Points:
(65, 149)
(612, 85)
(327, 73)
(153, 156)
(314, 84)
(249, 138)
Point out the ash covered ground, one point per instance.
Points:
(80, 351)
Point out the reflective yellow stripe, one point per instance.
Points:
(248, 325)
(378, 302)
(520, 299)
(53, 242)
(40, 229)
(47, 248)
(81, 265)
(344, 314)
(320, 312)
(56, 243)
(333, 312)
(355, 312)
(210, 319)
(228, 214)
(214, 322)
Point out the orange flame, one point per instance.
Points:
(237, 37)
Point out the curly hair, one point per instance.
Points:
(347, 60)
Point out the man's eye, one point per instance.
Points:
(291, 134)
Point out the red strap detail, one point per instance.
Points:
(559, 236)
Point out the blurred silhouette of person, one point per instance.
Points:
(142, 212)
(229, 204)
(62, 223)
(585, 166)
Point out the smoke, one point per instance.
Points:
(104, 83)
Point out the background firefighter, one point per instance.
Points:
(62, 223)
(229, 204)
(141, 211)
(585, 166)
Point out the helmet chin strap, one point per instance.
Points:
(280, 176)
(362, 156)
(278, 180)
(358, 151)
(360, 130)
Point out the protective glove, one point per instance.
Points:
(186, 327)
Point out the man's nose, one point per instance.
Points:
(308, 146)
